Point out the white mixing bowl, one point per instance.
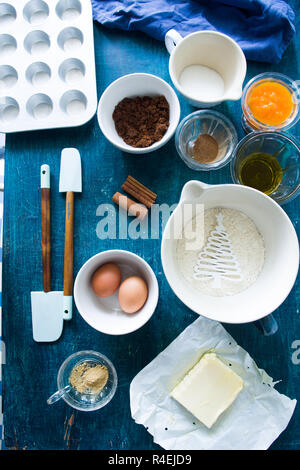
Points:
(280, 269)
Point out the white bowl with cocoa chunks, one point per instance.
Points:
(138, 113)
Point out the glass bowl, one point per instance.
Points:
(249, 122)
(284, 148)
(85, 401)
(206, 122)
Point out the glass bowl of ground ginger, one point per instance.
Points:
(205, 140)
(92, 379)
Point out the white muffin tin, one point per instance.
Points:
(47, 64)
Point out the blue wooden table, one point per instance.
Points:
(31, 369)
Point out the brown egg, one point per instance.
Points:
(133, 294)
(106, 280)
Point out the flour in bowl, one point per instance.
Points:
(231, 257)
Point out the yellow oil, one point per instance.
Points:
(261, 171)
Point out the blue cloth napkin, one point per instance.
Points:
(263, 28)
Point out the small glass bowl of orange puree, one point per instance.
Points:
(270, 101)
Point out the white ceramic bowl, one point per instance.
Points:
(280, 269)
(129, 86)
(105, 314)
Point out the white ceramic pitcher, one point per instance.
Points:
(280, 269)
(211, 49)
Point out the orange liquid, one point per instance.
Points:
(271, 103)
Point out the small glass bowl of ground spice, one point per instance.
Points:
(92, 377)
(205, 140)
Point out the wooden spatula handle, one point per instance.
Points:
(45, 225)
(69, 243)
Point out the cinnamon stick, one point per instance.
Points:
(143, 188)
(137, 194)
(139, 191)
(132, 207)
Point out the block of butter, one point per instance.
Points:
(208, 389)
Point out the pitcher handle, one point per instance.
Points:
(172, 38)
(267, 325)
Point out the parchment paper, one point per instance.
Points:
(256, 418)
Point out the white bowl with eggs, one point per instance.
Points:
(105, 314)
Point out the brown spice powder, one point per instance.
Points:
(205, 149)
(88, 377)
(142, 121)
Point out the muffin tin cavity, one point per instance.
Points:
(68, 9)
(39, 106)
(47, 64)
(72, 71)
(73, 102)
(70, 39)
(8, 14)
(8, 76)
(36, 12)
(37, 43)
(8, 45)
(9, 109)
(38, 74)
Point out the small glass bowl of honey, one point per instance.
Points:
(269, 162)
(270, 101)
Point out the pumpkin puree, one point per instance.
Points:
(271, 103)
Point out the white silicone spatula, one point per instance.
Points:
(46, 306)
(70, 181)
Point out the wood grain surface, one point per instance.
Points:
(69, 244)
(46, 238)
(31, 369)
